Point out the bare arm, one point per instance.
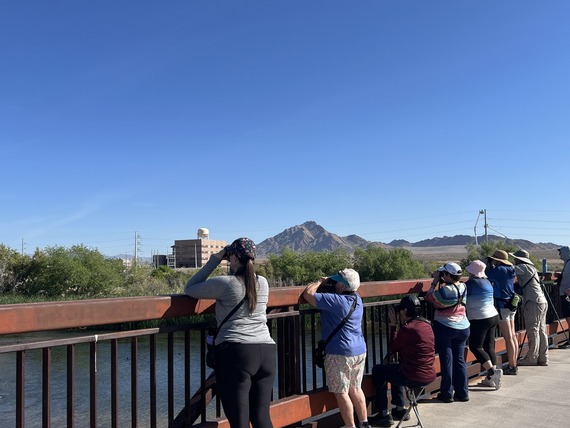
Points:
(309, 293)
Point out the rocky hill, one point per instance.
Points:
(310, 236)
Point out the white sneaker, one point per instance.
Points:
(488, 382)
(496, 378)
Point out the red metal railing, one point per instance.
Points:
(300, 391)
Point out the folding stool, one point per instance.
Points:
(413, 392)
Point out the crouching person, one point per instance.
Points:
(415, 344)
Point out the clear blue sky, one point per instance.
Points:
(386, 119)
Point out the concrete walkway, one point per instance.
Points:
(536, 397)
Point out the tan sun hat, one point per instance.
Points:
(523, 256)
(501, 256)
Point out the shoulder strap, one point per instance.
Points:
(233, 311)
(459, 297)
(343, 322)
(529, 280)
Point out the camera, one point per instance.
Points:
(439, 276)
(227, 252)
(327, 286)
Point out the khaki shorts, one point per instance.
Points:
(506, 314)
(343, 372)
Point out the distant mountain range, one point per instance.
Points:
(310, 236)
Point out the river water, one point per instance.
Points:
(33, 380)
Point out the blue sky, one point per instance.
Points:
(386, 119)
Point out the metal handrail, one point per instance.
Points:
(293, 326)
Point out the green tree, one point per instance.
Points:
(483, 251)
(291, 268)
(77, 271)
(378, 264)
(13, 268)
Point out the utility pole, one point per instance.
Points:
(475, 227)
(137, 243)
(486, 227)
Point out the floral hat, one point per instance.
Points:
(243, 248)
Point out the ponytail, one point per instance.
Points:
(244, 250)
(250, 280)
(246, 273)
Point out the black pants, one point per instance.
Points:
(482, 339)
(382, 373)
(565, 307)
(244, 380)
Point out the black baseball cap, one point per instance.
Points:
(409, 302)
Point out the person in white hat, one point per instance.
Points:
(451, 329)
(346, 349)
(534, 310)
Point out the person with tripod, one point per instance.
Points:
(563, 282)
(534, 308)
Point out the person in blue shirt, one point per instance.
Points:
(501, 273)
(346, 351)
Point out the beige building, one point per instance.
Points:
(194, 253)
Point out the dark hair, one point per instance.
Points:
(412, 305)
(454, 277)
(246, 272)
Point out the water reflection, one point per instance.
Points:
(58, 382)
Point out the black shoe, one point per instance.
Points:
(512, 371)
(399, 414)
(444, 399)
(564, 345)
(379, 420)
(456, 398)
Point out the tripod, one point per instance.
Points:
(522, 343)
(567, 344)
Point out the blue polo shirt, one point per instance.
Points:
(503, 279)
(349, 341)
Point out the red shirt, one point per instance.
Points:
(415, 345)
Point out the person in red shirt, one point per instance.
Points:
(415, 345)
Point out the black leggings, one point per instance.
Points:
(244, 380)
(482, 339)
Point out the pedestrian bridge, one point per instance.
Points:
(536, 397)
(114, 370)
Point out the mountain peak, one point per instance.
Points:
(310, 236)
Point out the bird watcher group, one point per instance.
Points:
(466, 314)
